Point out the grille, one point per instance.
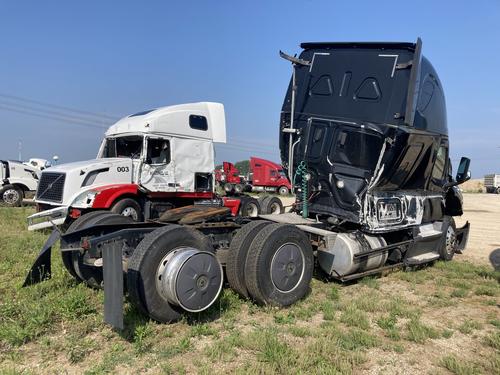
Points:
(51, 186)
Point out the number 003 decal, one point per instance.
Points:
(122, 169)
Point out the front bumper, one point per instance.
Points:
(46, 219)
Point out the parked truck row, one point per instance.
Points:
(263, 176)
(364, 141)
(19, 179)
(148, 163)
(492, 183)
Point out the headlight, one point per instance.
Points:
(85, 199)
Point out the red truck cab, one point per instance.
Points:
(268, 176)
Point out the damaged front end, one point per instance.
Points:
(369, 121)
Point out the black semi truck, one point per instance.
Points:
(364, 139)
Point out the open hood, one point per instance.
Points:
(368, 118)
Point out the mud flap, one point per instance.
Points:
(113, 284)
(462, 237)
(41, 269)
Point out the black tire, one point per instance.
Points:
(283, 190)
(79, 223)
(449, 247)
(238, 188)
(249, 207)
(11, 196)
(266, 279)
(497, 190)
(261, 200)
(92, 275)
(272, 206)
(128, 207)
(144, 263)
(237, 255)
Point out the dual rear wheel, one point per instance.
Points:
(270, 263)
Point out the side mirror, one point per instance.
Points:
(463, 173)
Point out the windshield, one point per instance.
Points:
(282, 173)
(123, 147)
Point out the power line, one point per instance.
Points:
(76, 110)
(53, 113)
(62, 119)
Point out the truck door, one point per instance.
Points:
(157, 171)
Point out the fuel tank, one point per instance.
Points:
(339, 259)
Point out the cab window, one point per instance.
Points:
(440, 163)
(123, 147)
(158, 151)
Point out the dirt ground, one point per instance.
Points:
(483, 213)
(440, 319)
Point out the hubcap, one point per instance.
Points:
(131, 212)
(287, 267)
(189, 278)
(10, 196)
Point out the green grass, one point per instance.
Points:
(419, 332)
(457, 366)
(57, 325)
(469, 326)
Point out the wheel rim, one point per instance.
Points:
(451, 240)
(189, 278)
(252, 210)
(275, 209)
(287, 267)
(131, 212)
(10, 196)
(283, 191)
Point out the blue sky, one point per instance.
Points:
(122, 57)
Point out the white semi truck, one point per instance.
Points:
(148, 162)
(492, 183)
(17, 179)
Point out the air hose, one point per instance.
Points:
(302, 173)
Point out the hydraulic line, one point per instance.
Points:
(302, 173)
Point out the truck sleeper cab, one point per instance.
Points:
(148, 162)
(372, 180)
